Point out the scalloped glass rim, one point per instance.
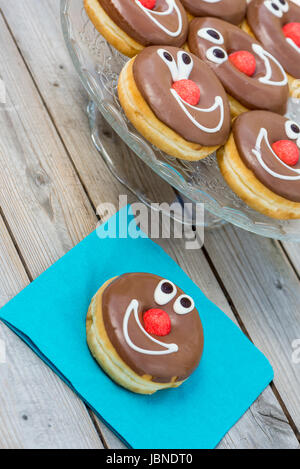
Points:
(98, 65)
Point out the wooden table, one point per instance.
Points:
(51, 180)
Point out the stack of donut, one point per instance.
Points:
(214, 75)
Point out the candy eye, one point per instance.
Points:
(211, 35)
(185, 65)
(164, 292)
(216, 55)
(184, 304)
(273, 7)
(165, 55)
(284, 5)
(292, 130)
(170, 62)
(168, 57)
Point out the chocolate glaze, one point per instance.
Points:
(245, 131)
(186, 332)
(232, 11)
(154, 81)
(132, 19)
(268, 30)
(249, 91)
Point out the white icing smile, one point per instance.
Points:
(259, 50)
(263, 136)
(218, 104)
(168, 348)
(181, 70)
(171, 7)
(268, 58)
(293, 44)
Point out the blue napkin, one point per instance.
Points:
(49, 315)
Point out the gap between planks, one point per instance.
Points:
(29, 386)
(14, 242)
(48, 111)
(244, 329)
(92, 417)
(241, 323)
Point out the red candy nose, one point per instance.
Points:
(150, 4)
(188, 91)
(157, 322)
(287, 151)
(244, 61)
(292, 30)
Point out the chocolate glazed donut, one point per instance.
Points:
(145, 25)
(265, 87)
(261, 164)
(145, 332)
(254, 135)
(267, 19)
(154, 77)
(233, 11)
(175, 101)
(131, 25)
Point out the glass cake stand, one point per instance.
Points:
(99, 65)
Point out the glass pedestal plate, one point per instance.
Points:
(99, 65)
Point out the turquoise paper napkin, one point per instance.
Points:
(49, 315)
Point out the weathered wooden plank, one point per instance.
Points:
(264, 425)
(110, 439)
(292, 250)
(40, 194)
(37, 59)
(265, 292)
(39, 189)
(38, 22)
(65, 97)
(37, 409)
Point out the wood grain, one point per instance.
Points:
(264, 290)
(37, 409)
(292, 251)
(264, 425)
(40, 194)
(42, 197)
(38, 22)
